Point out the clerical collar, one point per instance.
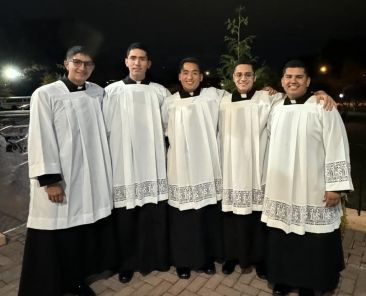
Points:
(71, 86)
(129, 80)
(299, 100)
(184, 94)
(236, 96)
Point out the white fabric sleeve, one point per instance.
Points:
(221, 93)
(107, 109)
(164, 108)
(337, 161)
(43, 149)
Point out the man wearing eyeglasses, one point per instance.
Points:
(242, 140)
(70, 234)
(135, 112)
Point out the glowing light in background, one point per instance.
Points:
(323, 69)
(11, 73)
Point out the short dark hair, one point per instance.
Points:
(138, 45)
(192, 60)
(295, 64)
(79, 49)
(244, 62)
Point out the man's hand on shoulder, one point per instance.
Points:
(270, 90)
(329, 103)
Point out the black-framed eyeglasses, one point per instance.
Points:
(77, 63)
(239, 75)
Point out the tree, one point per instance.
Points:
(52, 75)
(239, 48)
(49, 78)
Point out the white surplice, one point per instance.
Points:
(67, 136)
(134, 116)
(308, 155)
(194, 174)
(242, 142)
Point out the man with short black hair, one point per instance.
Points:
(194, 174)
(242, 144)
(308, 169)
(70, 234)
(135, 112)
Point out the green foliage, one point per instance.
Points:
(239, 47)
(50, 77)
(266, 77)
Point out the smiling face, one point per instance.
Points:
(79, 67)
(244, 78)
(295, 82)
(190, 77)
(137, 63)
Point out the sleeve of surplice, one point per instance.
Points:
(107, 108)
(43, 148)
(337, 161)
(164, 108)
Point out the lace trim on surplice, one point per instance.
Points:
(337, 172)
(242, 199)
(140, 190)
(300, 215)
(196, 193)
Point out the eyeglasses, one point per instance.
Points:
(239, 75)
(77, 63)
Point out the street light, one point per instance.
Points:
(323, 69)
(11, 73)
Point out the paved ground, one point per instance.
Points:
(353, 280)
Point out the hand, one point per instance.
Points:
(331, 198)
(270, 90)
(329, 103)
(55, 192)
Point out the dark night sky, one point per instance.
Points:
(40, 31)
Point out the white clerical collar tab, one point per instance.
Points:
(138, 82)
(293, 101)
(243, 95)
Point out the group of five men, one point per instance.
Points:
(104, 195)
